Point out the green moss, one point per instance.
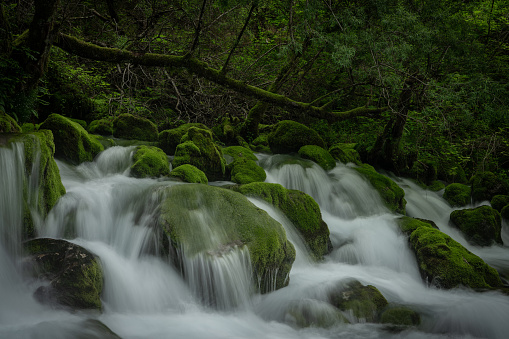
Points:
(189, 173)
(424, 171)
(170, 138)
(445, 263)
(261, 144)
(300, 208)
(481, 225)
(28, 127)
(237, 152)
(345, 153)
(8, 124)
(101, 127)
(198, 149)
(289, 136)
(499, 201)
(313, 313)
(486, 185)
(401, 316)
(319, 155)
(436, 186)
(451, 171)
(390, 192)
(234, 221)
(244, 171)
(72, 142)
(80, 122)
(505, 212)
(128, 126)
(149, 162)
(457, 194)
(408, 224)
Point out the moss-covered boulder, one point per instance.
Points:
(486, 185)
(345, 153)
(499, 201)
(457, 194)
(481, 225)
(300, 208)
(72, 141)
(390, 192)
(128, 126)
(170, 138)
(74, 274)
(39, 150)
(436, 186)
(189, 173)
(197, 148)
(400, 316)
(445, 263)
(226, 220)
(261, 143)
(319, 155)
(236, 152)
(313, 313)
(8, 124)
(245, 171)
(505, 212)
(149, 162)
(289, 136)
(101, 127)
(365, 302)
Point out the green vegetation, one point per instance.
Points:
(169, 139)
(245, 171)
(101, 127)
(189, 173)
(149, 162)
(481, 225)
(128, 126)
(400, 316)
(8, 124)
(486, 185)
(345, 153)
(499, 201)
(289, 136)
(319, 155)
(457, 194)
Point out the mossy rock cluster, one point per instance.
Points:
(170, 138)
(443, 262)
(74, 274)
(345, 153)
(236, 152)
(486, 185)
(289, 136)
(365, 302)
(499, 202)
(197, 148)
(234, 221)
(225, 131)
(8, 124)
(243, 167)
(72, 141)
(128, 126)
(149, 162)
(189, 173)
(319, 155)
(261, 143)
(101, 127)
(481, 225)
(300, 208)
(457, 194)
(390, 192)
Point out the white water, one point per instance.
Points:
(144, 296)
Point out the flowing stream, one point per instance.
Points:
(144, 296)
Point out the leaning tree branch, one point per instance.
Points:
(83, 49)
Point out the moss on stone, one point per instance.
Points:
(300, 208)
(74, 273)
(319, 155)
(289, 136)
(345, 153)
(101, 127)
(245, 171)
(313, 313)
(390, 192)
(445, 263)
(505, 212)
(8, 124)
(486, 185)
(409, 224)
(436, 186)
(149, 162)
(457, 194)
(128, 126)
(29, 127)
(481, 225)
(237, 152)
(400, 316)
(170, 138)
(198, 149)
(80, 122)
(234, 222)
(189, 173)
(499, 201)
(72, 142)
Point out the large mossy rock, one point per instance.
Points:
(289, 136)
(197, 148)
(390, 192)
(101, 127)
(345, 153)
(400, 316)
(72, 141)
(8, 124)
(245, 171)
(128, 126)
(202, 219)
(481, 225)
(39, 150)
(319, 155)
(170, 138)
(237, 152)
(443, 262)
(74, 274)
(499, 201)
(486, 185)
(189, 173)
(300, 208)
(365, 302)
(457, 194)
(149, 162)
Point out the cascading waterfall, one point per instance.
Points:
(145, 296)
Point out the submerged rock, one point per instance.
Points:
(189, 173)
(170, 138)
(74, 274)
(201, 219)
(289, 136)
(457, 194)
(300, 208)
(319, 155)
(149, 162)
(128, 126)
(482, 225)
